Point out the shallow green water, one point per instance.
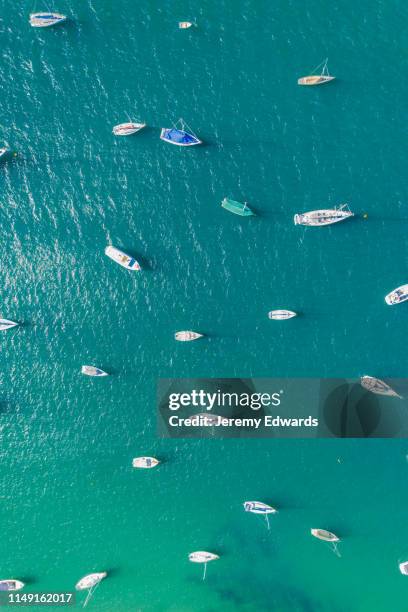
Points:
(70, 502)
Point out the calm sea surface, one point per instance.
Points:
(70, 502)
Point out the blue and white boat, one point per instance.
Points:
(179, 136)
(257, 507)
(89, 370)
(44, 20)
(123, 259)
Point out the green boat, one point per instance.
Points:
(237, 207)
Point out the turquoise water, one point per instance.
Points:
(70, 502)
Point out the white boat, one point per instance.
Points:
(257, 507)
(187, 336)
(145, 462)
(322, 534)
(90, 581)
(280, 315)
(124, 260)
(7, 324)
(397, 296)
(11, 585)
(3, 151)
(126, 129)
(202, 556)
(184, 25)
(317, 79)
(378, 386)
(326, 216)
(403, 568)
(44, 20)
(181, 136)
(93, 371)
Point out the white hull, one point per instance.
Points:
(325, 216)
(11, 585)
(3, 151)
(7, 324)
(45, 20)
(126, 129)
(201, 556)
(90, 580)
(145, 462)
(322, 534)
(375, 385)
(187, 336)
(397, 296)
(184, 25)
(258, 508)
(403, 568)
(281, 315)
(315, 80)
(92, 371)
(123, 259)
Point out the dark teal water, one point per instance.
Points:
(70, 502)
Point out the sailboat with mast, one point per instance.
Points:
(378, 386)
(325, 216)
(317, 79)
(327, 536)
(257, 507)
(202, 556)
(90, 583)
(180, 135)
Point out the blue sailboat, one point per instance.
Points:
(179, 136)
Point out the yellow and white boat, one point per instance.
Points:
(317, 79)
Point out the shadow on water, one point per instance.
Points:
(28, 579)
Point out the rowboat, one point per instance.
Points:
(179, 135)
(90, 581)
(397, 296)
(325, 216)
(44, 20)
(378, 386)
(280, 315)
(145, 462)
(124, 260)
(126, 129)
(201, 556)
(184, 25)
(93, 371)
(403, 568)
(237, 207)
(317, 79)
(7, 324)
(187, 336)
(3, 151)
(11, 585)
(322, 534)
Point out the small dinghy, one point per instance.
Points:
(92, 371)
(44, 20)
(201, 556)
(126, 129)
(179, 135)
(317, 79)
(327, 536)
(123, 259)
(89, 583)
(257, 507)
(403, 568)
(187, 336)
(7, 324)
(184, 25)
(281, 315)
(378, 386)
(397, 296)
(325, 216)
(11, 585)
(145, 462)
(238, 208)
(3, 152)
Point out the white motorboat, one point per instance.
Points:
(89, 370)
(326, 216)
(44, 20)
(403, 568)
(126, 129)
(123, 259)
(7, 324)
(184, 25)
(145, 462)
(397, 296)
(378, 386)
(317, 79)
(187, 336)
(281, 315)
(11, 585)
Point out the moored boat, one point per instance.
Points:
(7, 324)
(184, 25)
(403, 568)
(317, 79)
(126, 129)
(187, 336)
(3, 152)
(257, 507)
(44, 20)
(323, 534)
(11, 585)
(238, 208)
(179, 135)
(397, 296)
(90, 581)
(123, 259)
(378, 386)
(89, 370)
(202, 556)
(281, 315)
(145, 462)
(325, 216)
